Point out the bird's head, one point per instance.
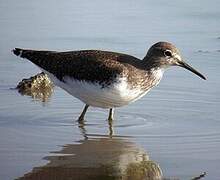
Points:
(164, 55)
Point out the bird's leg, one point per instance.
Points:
(111, 114)
(82, 115)
(110, 122)
(110, 126)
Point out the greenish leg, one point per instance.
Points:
(110, 122)
(81, 117)
(111, 114)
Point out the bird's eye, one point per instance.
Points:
(168, 53)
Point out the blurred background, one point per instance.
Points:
(177, 124)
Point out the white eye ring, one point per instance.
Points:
(168, 53)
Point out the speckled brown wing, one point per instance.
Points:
(89, 65)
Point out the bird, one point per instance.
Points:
(106, 79)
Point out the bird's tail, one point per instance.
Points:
(18, 52)
(32, 55)
(27, 53)
(39, 58)
(36, 57)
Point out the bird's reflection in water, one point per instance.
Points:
(105, 158)
(81, 125)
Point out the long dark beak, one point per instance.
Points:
(187, 66)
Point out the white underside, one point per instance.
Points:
(116, 95)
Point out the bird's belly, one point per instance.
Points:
(115, 95)
(94, 94)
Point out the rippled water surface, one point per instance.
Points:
(175, 128)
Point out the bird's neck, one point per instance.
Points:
(149, 63)
(153, 64)
(157, 73)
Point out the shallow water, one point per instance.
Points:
(176, 124)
